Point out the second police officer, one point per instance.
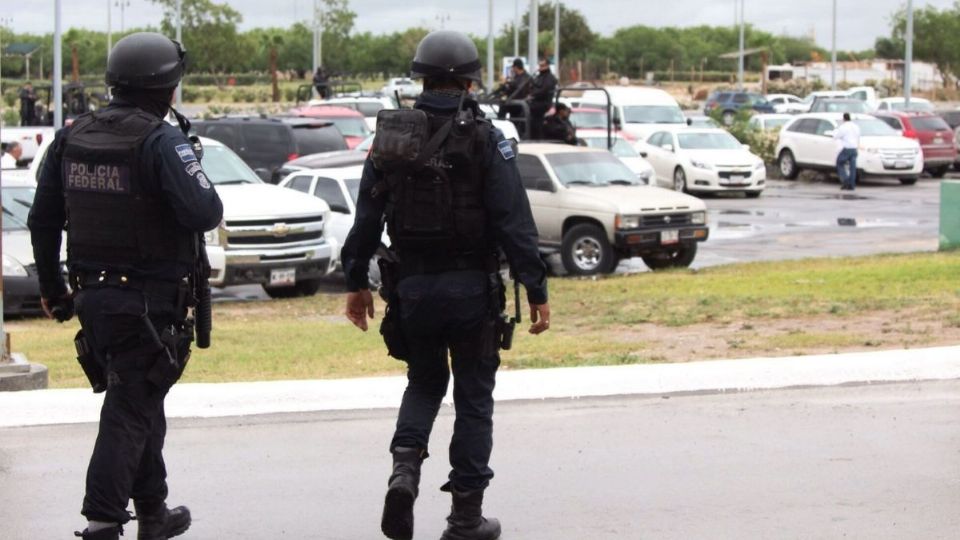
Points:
(131, 192)
(446, 184)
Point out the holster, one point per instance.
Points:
(88, 362)
(172, 355)
(390, 327)
(503, 325)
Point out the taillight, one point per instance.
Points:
(910, 134)
(39, 139)
(292, 156)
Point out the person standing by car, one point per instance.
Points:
(320, 82)
(516, 88)
(11, 156)
(137, 199)
(542, 91)
(28, 100)
(557, 126)
(443, 287)
(848, 133)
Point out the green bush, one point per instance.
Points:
(11, 117)
(762, 143)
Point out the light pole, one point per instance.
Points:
(516, 28)
(740, 65)
(556, 39)
(109, 28)
(4, 21)
(122, 4)
(180, 41)
(443, 18)
(57, 65)
(317, 35)
(908, 58)
(833, 51)
(490, 45)
(534, 30)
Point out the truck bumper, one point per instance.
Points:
(243, 267)
(638, 242)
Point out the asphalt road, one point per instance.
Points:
(872, 462)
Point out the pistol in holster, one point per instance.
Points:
(173, 351)
(504, 325)
(88, 362)
(390, 327)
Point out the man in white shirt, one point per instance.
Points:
(848, 133)
(11, 155)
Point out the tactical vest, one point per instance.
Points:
(116, 214)
(433, 180)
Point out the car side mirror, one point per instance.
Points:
(264, 174)
(643, 153)
(339, 208)
(828, 133)
(689, 121)
(545, 184)
(668, 147)
(616, 123)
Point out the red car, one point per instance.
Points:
(933, 133)
(592, 118)
(350, 122)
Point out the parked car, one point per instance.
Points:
(267, 143)
(622, 148)
(638, 111)
(935, 136)
(367, 106)
(406, 87)
(807, 102)
(705, 160)
(866, 94)
(900, 104)
(588, 118)
(729, 103)
(696, 121)
(768, 122)
(839, 105)
(350, 122)
(807, 143)
(588, 206)
(952, 118)
(780, 101)
(21, 286)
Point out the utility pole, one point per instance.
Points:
(533, 51)
(109, 29)
(556, 40)
(516, 28)
(316, 29)
(180, 41)
(6, 21)
(740, 65)
(833, 52)
(490, 45)
(122, 4)
(908, 58)
(57, 65)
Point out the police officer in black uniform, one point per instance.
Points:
(542, 91)
(134, 198)
(447, 185)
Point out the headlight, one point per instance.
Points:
(701, 165)
(213, 237)
(628, 222)
(759, 166)
(699, 218)
(12, 267)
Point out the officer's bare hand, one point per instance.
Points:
(47, 310)
(359, 307)
(49, 305)
(540, 317)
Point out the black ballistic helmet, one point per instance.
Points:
(146, 60)
(446, 54)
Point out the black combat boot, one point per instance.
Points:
(157, 522)
(403, 488)
(466, 521)
(110, 533)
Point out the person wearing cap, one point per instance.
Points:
(137, 199)
(517, 88)
(446, 183)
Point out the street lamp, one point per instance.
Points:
(833, 53)
(123, 5)
(740, 65)
(4, 21)
(443, 18)
(908, 58)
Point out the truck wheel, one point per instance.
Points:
(938, 172)
(680, 256)
(281, 292)
(680, 180)
(753, 194)
(908, 181)
(307, 287)
(788, 165)
(586, 251)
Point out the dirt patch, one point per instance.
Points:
(793, 336)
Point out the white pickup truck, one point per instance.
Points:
(270, 236)
(29, 137)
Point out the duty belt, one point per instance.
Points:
(153, 287)
(412, 265)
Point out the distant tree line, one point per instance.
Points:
(217, 47)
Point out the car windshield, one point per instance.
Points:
(353, 186)
(589, 119)
(313, 140)
(874, 127)
(350, 127)
(653, 114)
(923, 106)
(16, 206)
(844, 105)
(703, 122)
(707, 141)
(773, 123)
(590, 169)
(369, 108)
(621, 148)
(222, 166)
(929, 123)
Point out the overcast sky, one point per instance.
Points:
(860, 22)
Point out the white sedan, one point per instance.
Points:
(705, 160)
(624, 151)
(781, 101)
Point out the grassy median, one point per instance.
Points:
(776, 309)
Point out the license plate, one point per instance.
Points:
(902, 165)
(669, 237)
(283, 276)
(938, 140)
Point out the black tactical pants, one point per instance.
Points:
(538, 111)
(127, 459)
(441, 313)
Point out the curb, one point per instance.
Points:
(212, 400)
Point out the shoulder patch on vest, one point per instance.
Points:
(185, 151)
(506, 150)
(204, 182)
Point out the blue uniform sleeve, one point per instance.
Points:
(364, 237)
(182, 179)
(47, 219)
(511, 218)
